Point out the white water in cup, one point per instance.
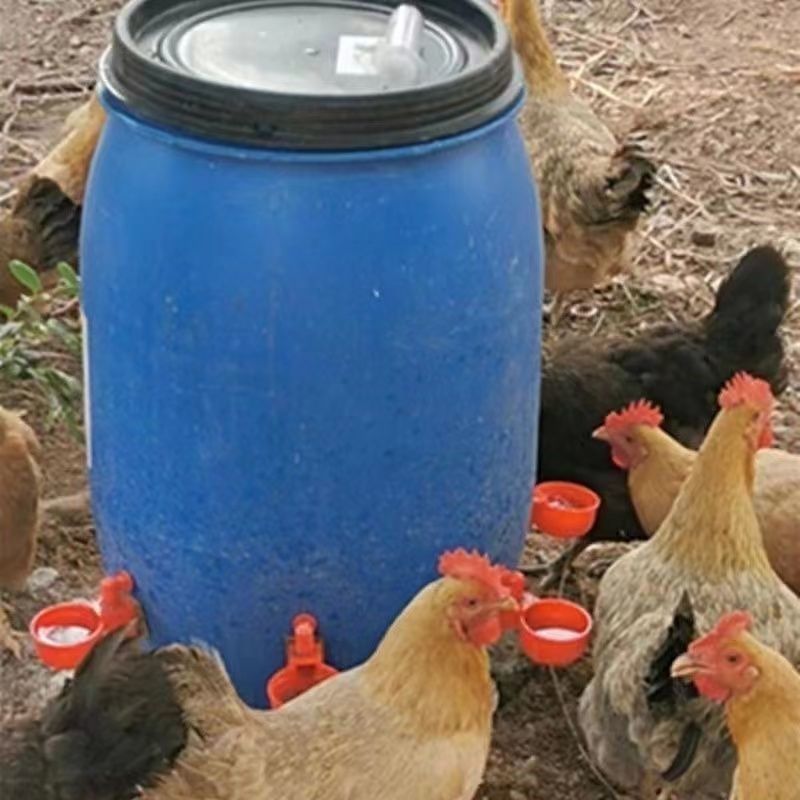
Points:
(65, 634)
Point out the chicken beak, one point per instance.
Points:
(685, 667)
(601, 434)
(507, 604)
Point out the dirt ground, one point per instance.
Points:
(715, 84)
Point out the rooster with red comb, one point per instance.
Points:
(761, 693)
(657, 465)
(413, 721)
(646, 729)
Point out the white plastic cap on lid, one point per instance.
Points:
(397, 57)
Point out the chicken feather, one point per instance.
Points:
(41, 230)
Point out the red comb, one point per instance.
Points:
(640, 412)
(474, 566)
(730, 625)
(515, 581)
(744, 388)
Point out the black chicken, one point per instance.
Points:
(76, 750)
(679, 366)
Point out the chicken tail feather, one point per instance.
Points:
(660, 687)
(115, 727)
(667, 696)
(628, 184)
(203, 688)
(687, 749)
(743, 327)
(55, 218)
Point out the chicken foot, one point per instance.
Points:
(10, 639)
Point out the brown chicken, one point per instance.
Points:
(42, 227)
(593, 189)
(761, 693)
(657, 466)
(413, 721)
(67, 164)
(19, 512)
(642, 727)
(41, 230)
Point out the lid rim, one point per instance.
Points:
(161, 93)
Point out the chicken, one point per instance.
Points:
(413, 721)
(115, 727)
(657, 466)
(19, 512)
(681, 366)
(641, 726)
(41, 230)
(42, 226)
(761, 692)
(67, 164)
(593, 189)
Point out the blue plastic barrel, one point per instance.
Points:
(308, 373)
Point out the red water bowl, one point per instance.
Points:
(554, 632)
(564, 510)
(289, 682)
(56, 632)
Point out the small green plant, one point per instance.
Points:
(40, 342)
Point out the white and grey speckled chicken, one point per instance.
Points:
(643, 728)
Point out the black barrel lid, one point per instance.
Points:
(312, 74)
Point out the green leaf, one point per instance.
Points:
(34, 345)
(26, 276)
(68, 275)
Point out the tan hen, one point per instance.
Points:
(19, 512)
(593, 188)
